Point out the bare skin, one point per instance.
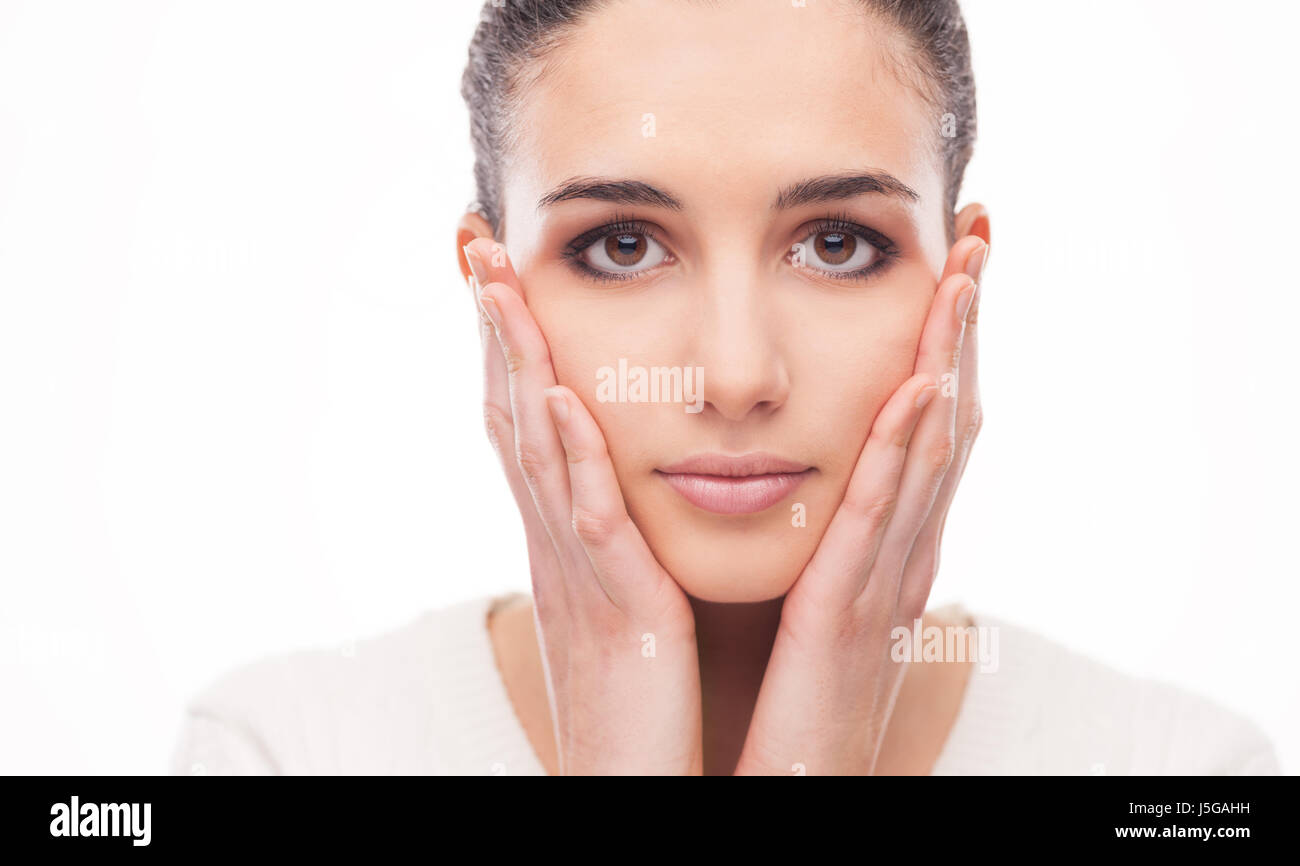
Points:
(829, 689)
(771, 639)
(927, 708)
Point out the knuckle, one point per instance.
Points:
(515, 361)
(583, 453)
(525, 352)
(866, 614)
(531, 462)
(879, 436)
(592, 528)
(942, 452)
(872, 509)
(497, 422)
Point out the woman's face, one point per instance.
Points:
(768, 230)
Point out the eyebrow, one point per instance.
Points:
(617, 191)
(834, 187)
(829, 187)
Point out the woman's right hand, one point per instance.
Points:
(617, 633)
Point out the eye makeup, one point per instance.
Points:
(625, 236)
(620, 229)
(842, 226)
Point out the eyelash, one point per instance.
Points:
(836, 222)
(622, 224)
(842, 222)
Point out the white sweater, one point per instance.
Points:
(427, 698)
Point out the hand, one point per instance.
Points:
(830, 685)
(617, 632)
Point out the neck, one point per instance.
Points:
(734, 642)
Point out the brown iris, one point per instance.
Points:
(625, 249)
(835, 248)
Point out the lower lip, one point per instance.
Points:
(749, 494)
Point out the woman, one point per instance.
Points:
(728, 306)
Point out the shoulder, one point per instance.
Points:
(399, 702)
(1037, 706)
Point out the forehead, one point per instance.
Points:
(722, 102)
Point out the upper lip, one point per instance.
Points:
(726, 466)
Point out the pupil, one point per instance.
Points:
(625, 250)
(836, 248)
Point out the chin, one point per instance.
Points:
(729, 559)
(737, 583)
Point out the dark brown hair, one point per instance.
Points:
(514, 33)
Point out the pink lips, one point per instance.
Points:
(735, 485)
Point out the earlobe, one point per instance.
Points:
(973, 219)
(470, 226)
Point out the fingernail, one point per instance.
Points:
(490, 309)
(975, 264)
(926, 395)
(476, 265)
(963, 302)
(558, 405)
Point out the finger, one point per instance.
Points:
(499, 424)
(538, 451)
(923, 564)
(620, 558)
(839, 568)
(497, 413)
(496, 398)
(934, 441)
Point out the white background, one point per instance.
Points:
(239, 371)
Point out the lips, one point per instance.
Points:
(746, 484)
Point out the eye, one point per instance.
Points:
(842, 249)
(625, 251)
(618, 251)
(838, 251)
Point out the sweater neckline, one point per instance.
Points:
(492, 739)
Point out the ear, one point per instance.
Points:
(471, 225)
(973, 219)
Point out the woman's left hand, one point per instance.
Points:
(830, 685)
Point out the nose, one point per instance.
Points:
(738, 342)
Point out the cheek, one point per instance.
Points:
(850, 365)
(870, 372)
(583, 338)
(845, 355)
(847, 361)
